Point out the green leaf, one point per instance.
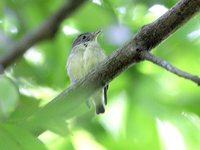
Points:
(13, 137)
(9, 97)
(25, 107)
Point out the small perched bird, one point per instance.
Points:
(86, 53)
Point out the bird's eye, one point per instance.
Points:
(84, 37)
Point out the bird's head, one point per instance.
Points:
(86, 37)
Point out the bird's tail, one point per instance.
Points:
(99, 101)
(100, 109)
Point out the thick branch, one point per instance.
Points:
(153, 34)
(162, 63)
(147, 38)
(47, 30)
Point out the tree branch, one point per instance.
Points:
(147, 38)
(164, 64)
(46, 31)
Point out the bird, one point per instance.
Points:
(86, 53)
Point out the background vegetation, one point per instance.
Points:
(148, 107)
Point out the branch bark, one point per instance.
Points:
(146, 39)
(164, 64)
(46, 31)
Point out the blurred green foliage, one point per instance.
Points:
(148, 107)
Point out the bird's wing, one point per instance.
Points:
(75, 65)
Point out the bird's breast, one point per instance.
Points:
(91, 57)
(83, 59)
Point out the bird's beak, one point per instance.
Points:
(97, 33)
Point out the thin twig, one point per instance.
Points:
(46, 31)
(166, 65)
